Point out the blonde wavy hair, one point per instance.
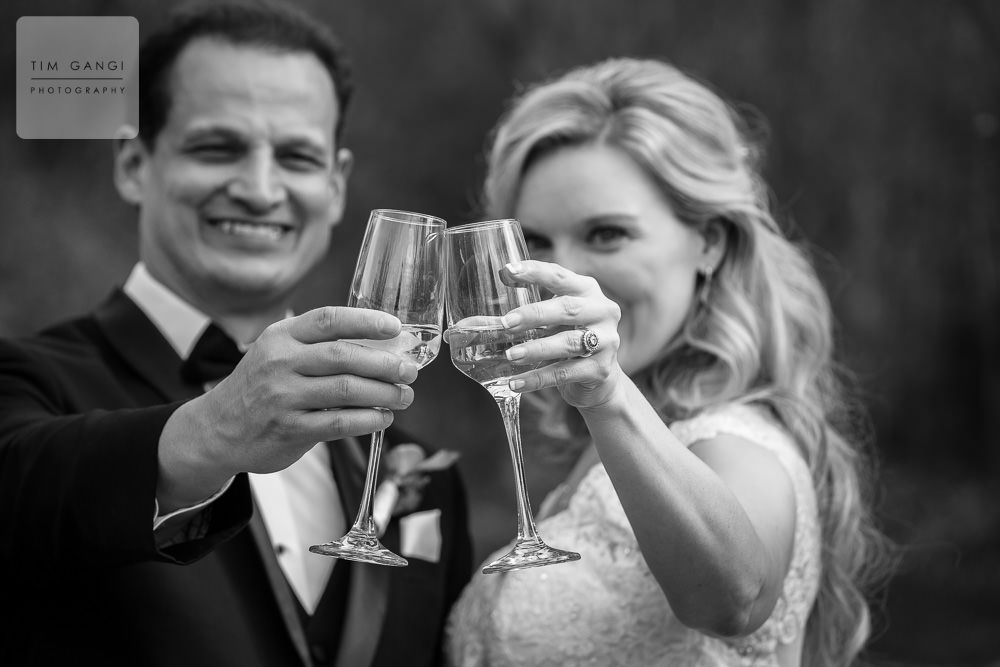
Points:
(762, 335)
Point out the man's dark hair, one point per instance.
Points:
(262, 23)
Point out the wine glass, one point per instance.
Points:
(477, 297)
(400, 271)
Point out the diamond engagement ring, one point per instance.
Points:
(589, 342)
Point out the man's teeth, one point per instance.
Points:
(262, 230)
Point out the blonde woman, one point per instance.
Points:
(718, 504)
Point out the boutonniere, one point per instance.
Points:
(406, 468)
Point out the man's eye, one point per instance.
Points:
(301, 161)
(215, 152)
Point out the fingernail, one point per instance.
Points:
(510, 320)
(515, 267)
(515, 353)
(406, 397)
(407, 371)
(388, 325)
(515, 385)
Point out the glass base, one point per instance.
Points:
(530, 553)
(355, 545)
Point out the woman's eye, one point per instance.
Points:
(537, 245)
(606, 236)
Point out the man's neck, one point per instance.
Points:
(243, 323)
(244, 317)
(245, 328)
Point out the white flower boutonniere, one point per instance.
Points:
(406, 468)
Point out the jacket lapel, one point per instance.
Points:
(137, 340)
(141, 345)
(279, 585)
(369, 589)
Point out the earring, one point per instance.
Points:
(706, 285)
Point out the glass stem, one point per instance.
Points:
(365, 523)
(509, 403)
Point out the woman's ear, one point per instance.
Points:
(130, 165)
(715, 235)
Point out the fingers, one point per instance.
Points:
(560, 374)
(332, 323)
(552, 277)
(334, 374)
(284, 350)
(342, 357)
(559, 311)
(343, 391)
(563, 345)
(579, 305)
(578, 301)
(326, 425)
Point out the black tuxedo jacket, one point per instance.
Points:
(82, 580)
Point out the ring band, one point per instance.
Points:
(589, 342)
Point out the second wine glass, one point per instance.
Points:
(400, 271)
(478, 297)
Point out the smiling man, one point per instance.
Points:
(241, 187)
(166, 461)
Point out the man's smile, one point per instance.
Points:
(251, 229)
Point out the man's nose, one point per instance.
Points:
(258, 185)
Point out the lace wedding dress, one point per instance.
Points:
(607, 608)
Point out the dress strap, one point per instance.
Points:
(745, 421)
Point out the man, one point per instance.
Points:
(124, 486)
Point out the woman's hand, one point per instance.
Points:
(578, 305)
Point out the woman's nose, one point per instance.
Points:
(569, 258)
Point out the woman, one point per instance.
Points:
(719, 511)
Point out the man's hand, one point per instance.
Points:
(297, 385)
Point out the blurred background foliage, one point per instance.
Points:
(883, 154)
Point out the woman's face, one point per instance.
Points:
(593, 210)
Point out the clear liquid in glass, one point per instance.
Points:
(420, 342)
(479, 353)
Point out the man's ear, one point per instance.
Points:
(131, 163)
(715, 235)
(341, 171)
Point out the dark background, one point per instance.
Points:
(883, 153)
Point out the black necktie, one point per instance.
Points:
(214, 356)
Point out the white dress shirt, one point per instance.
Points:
(299, 505)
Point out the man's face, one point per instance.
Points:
(244, 184)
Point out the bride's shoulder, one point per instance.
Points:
(753, 422)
